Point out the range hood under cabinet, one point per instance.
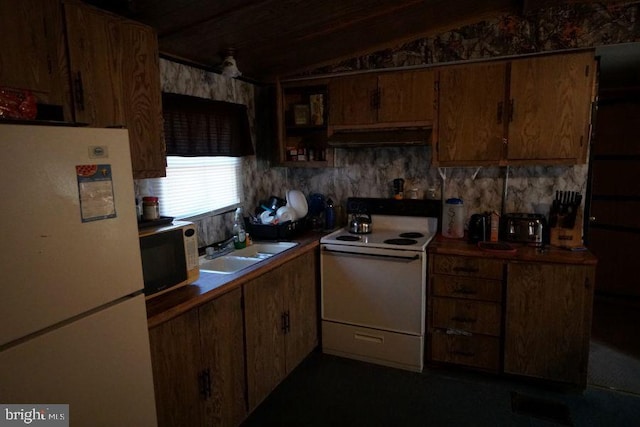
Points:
(380, 137)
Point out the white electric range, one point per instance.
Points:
(374, 285)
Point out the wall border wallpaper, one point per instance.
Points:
(569, 26)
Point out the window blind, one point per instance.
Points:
(198, 185)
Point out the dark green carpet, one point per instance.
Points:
(331, 391)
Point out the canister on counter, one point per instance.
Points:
(453, 218)
(150, 208)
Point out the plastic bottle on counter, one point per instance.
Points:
(239, 233)
(453, 219)
(329, 215)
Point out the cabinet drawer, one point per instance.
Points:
(402, 351)
(468, 266)
(471, 316)
(479, 351)
(466, 287)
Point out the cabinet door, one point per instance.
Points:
(550, 116)
(405, 96)
(548, 321)
(264, 322)
(33, 52)
(176, 361)
(223, 354)
(95, 60)
(353, 100)
(469, 128)
(301, 300)
(143, 106)
(116, 81)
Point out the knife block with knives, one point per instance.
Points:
(565, 219)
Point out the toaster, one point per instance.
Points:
(524, 228)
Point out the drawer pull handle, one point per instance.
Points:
(463, 353)
(466, 269)
(464, 291)
(463, 319)
(369, 338)
(451, 331)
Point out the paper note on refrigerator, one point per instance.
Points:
(95, 188)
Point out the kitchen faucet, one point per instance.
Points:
(220, 248)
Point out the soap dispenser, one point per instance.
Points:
(239, 233)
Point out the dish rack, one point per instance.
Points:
(281, 231)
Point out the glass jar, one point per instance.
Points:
(150, 208)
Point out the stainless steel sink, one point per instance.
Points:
(243, 258)
(263, 250)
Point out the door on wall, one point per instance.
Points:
(614, 219)
(613, 222)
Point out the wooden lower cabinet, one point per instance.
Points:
(281, 323)
(528, 314)
(548, 321)
(465, 311)
(474, 350)
(198, 365)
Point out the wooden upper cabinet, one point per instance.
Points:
(551, 107)
(143, 99)
(406, 96)
(469, 128)
(115, 79)
(352, 100)
(388, 99)
(96, 62)
(302, 124)
(33, 51)
(534, 110)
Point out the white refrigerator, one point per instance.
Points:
(73, 326)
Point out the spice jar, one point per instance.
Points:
(150, 208)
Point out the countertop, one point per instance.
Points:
(211, 285)
(446, 246)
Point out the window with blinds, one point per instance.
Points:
(197, 186)
(205, 140)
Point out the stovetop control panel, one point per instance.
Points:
(403, 207)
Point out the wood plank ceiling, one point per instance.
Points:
(279, 38)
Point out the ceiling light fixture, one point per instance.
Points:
(229, 67)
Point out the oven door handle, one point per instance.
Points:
(416, 256)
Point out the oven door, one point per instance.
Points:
(375, 288)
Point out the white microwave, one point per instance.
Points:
(169, 257)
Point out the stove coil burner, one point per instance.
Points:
(348, 238)
(401, 242)
(411, 235)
